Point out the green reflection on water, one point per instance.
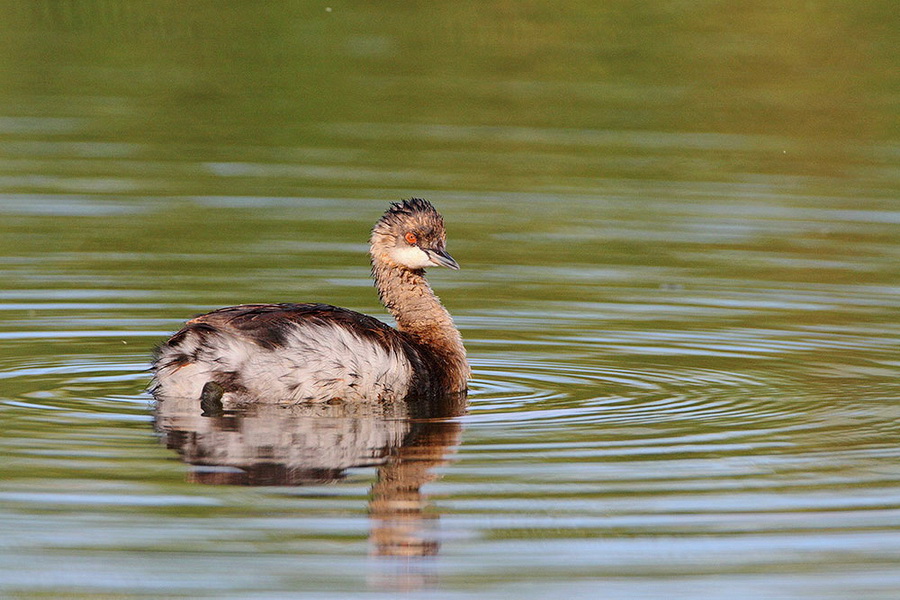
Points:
(466, 96)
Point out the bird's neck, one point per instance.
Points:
(419, 313)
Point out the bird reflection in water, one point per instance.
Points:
(264, 443)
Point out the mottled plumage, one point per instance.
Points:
(314, 352)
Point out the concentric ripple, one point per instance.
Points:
(89, 386)
(507, 389)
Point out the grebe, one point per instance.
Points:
(316, 352)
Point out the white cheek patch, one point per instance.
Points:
(411, 257)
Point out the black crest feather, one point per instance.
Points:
(412, 205)
(415, 211)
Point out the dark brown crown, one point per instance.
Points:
(414, 214)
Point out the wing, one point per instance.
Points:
(288, 351)
(269, 325)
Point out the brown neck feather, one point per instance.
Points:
(419, 313)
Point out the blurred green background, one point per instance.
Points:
(212, 96)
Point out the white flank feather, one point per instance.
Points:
(316, 363)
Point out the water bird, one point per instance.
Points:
(318, 352)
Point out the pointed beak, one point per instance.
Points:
(440, 258)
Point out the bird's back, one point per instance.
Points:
(287, 353)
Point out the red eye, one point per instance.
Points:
(411, 238)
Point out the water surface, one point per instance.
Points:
(680, 240)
